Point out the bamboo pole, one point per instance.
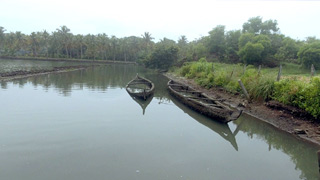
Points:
(312, 70)
(244, 68)
(245, 92)
(318, 153)
(279, 73)
(231, 73)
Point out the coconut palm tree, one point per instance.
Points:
(65, 38)
(147, 39)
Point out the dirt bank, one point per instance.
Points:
(286, 118)
(8, 76)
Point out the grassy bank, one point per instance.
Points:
(296, 87)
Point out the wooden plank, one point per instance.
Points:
(178, 85)
(245, 92)
(187, 91)
(134, 83)
(205, 98)
(139, 88)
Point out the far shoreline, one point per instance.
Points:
(66, 60)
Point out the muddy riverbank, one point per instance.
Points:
(67, 60)
(286, 118)
(12, 75)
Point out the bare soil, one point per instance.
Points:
(287, 118)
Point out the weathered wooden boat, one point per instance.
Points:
(140, 87)
(202, 103)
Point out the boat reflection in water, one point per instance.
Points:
(143, 103)
(220, 128)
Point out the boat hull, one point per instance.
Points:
(206, 106)
(145, 92)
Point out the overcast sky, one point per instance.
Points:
(162, 18)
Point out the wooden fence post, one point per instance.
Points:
(279, 73)
(244, 68)
(318, 153)
(244, 89)
(259, 70)
(231, 73)
(312, 70)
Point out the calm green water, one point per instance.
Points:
(83, 125)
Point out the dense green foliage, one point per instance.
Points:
(63, 44)
(293, 91)
(258, 43)
(302, 94)
(310, 54)
(162, 57)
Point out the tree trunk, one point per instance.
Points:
(67, 51)
(81, 51)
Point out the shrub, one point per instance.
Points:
(298, 92)
(184, 70)
(311, 100)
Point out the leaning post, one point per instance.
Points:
(279, 73)
(245, 92)
(231, 73)
(312, 70)
(244, 68)
(318, 153)
(259, 70)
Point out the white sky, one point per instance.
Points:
(162, 18)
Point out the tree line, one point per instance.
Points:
(258, 42)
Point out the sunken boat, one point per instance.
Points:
(140, 87)
(202, 103)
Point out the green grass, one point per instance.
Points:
(296, 87)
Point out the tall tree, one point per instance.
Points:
(232, 44)
(163, 56)
(251, 53)
(20, 42)
(310, 54)
(288, 50)
(65, 38)
(34, 43)
(114, 46)
(91, 51)
(254, 49)
(217, 42)
(256, 26)
(147, 39)
(183, 45)
(2, 38)
(45, 42)
(79, 42)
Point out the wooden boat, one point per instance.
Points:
(202, 103)
(140, 87)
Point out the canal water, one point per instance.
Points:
(84, 125)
